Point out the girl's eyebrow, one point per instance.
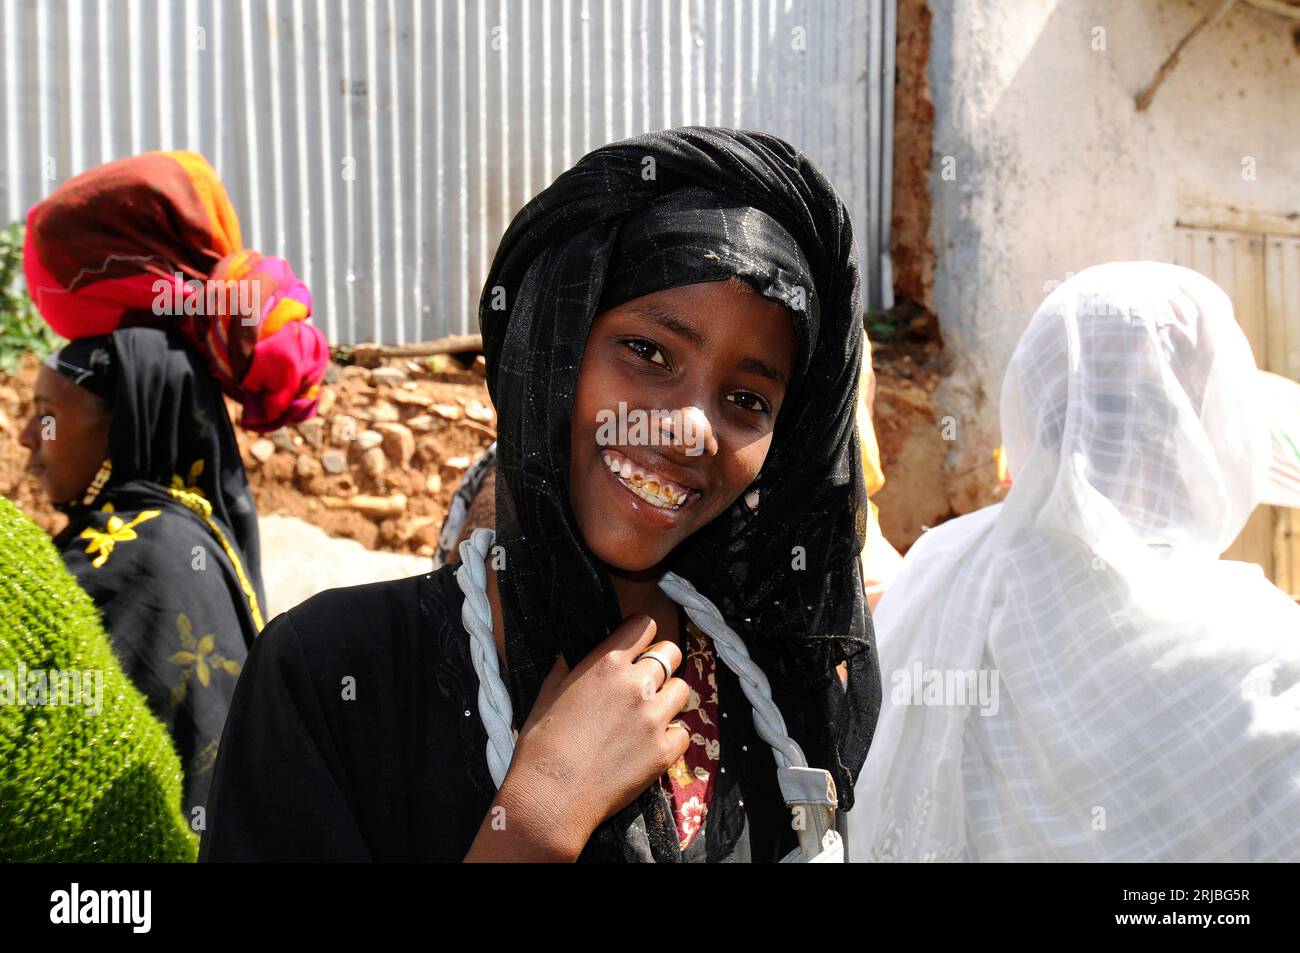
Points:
(763, 369)
(671, 321)
(675, 323)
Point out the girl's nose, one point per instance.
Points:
(28, 435)
(692, 432)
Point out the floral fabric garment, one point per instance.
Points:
(174, 602)
(689, 783)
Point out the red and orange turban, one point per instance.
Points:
(153, 240)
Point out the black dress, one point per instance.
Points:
(354, 735)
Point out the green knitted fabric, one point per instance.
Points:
(75, 786)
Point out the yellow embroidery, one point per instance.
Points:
(204, 760)
(197, 658)
(103, 541)
(190, 482)
(203, 508)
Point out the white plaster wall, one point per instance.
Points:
(1055, 170)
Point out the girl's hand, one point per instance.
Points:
(596, 737)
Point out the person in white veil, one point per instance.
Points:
(1073, 674)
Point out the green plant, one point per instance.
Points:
(22, 330)
(882, 325)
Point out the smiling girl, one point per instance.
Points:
(705, 277)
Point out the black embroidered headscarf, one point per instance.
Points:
(647, 214)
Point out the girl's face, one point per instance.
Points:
(678, 392)
(67, 434)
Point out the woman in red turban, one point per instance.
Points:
(140, 262)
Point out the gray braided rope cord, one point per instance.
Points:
(476, 614)
(809, 792)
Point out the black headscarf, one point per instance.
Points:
(167, 416)
(650, 213)
(88, 363)
(183, 561)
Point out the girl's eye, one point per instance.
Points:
(756, 403)
(644, 349)
(650, 352)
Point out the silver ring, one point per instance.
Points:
(662, 664)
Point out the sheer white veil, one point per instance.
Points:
(1128, 696)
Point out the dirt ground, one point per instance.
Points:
(378, 463)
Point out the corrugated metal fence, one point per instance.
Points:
(383, 146)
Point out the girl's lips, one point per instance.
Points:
(647, 512)
(654, 482)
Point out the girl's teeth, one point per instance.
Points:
(650, 490)
(652, 498)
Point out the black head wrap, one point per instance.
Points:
(169, 423)
(88, 363)
(650, 213)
